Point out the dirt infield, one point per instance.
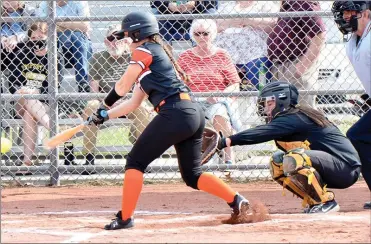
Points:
(176, 213)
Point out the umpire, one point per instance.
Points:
(354, 17)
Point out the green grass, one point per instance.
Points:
(119, 136)
(113, 136)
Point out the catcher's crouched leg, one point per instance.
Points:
(293, 170)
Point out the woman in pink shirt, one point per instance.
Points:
(210, 69)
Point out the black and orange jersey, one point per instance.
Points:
(158, 79)
(293, 130)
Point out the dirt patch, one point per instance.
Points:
(256, 212)
(176, 213)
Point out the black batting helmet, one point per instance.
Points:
(139, 26)
(285, 94)
(338, 8)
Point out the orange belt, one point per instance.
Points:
(182, 96)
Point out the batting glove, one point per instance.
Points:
(99, 117)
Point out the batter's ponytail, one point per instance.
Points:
(157, 39)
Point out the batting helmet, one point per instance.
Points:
(283, 93)
(138, 25)
(338, 8)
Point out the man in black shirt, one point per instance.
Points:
(315, 154)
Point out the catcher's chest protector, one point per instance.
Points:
(295, 173)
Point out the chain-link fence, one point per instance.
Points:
(222, 45)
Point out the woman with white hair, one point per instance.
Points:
(210, 69)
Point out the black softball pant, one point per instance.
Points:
(360, 136)
(180, 123)
(334, 172)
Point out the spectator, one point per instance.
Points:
(29, 76)
(73, 38)
(211, 69)
(105, 69)
(245, 39)
(179, 29)
(13, 34)
(294, 46)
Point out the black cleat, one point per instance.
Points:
(367, 205)
(327, 207)
(118, 223)
(239, 205)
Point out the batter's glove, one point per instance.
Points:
(211, 143)
(100, 116)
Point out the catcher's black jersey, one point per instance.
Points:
(158, 79)
(297, 130)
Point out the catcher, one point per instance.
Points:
(180, 121)
(314, 154)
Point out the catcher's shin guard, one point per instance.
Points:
(296, 174)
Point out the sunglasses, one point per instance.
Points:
(115, 36)
(202, 33)
(111, 38)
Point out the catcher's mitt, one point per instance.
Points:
(210, 139)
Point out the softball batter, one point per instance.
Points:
(180, 121)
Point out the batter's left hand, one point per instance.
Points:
(100, 116)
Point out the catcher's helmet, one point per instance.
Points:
(283, 93)
(338, 8)
(139, 26)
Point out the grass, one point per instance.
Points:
(114, 136)
(119, 136)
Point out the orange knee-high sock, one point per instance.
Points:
(215, 186)
(133, 183)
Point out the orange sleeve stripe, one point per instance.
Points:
(143, 58)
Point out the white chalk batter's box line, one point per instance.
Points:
(97, 212)
(276, 218)
(75, 237)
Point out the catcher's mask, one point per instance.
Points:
(350, 25)
(275, 98)
(138, 26)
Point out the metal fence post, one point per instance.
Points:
(53, 89)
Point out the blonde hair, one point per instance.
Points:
(208, 25)
(41, 26)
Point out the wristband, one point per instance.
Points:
(111, 98)
(103, 113)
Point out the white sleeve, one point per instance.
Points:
(83, 8)
(349, 49)
(42, 10)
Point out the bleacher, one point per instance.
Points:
(108, 8)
